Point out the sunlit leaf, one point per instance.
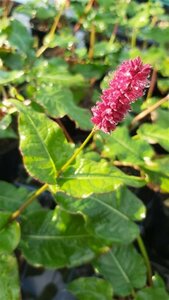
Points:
(58, 102)
(154, 133)
(109, 216)
(163, 84)
(86, 177)
(57, 239)
(42, 143)
(5, 122)
(158, 172)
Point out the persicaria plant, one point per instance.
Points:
(92, 151)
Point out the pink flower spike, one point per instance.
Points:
(127, 85)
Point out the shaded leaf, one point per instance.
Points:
(161, 116)
(109, 216)
(20, 37)
(152, 294)
(156, 292)
(9, 233)
(124, 268)
(158, 172)
(7, 133)
(59, 102)
(90, 70)
(9, 279)
(57, 239)
(91, 288)
(42, 143)
(7, 77)
(156, 34)
(121, 145)
(55, 71)
(11, 197)
(86, 177)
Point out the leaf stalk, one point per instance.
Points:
(146, 259)
(44, 187)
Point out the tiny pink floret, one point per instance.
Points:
(128, 84)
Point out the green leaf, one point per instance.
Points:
(35, 10)
(109, 216)
(91, 288)
(55, 71)
(124, 268)
(156, 34)
(64, 40)
(5, 122)
(158, 172)
(153, 133)
(11, 197)
(126, 149)
(7, 133)
(9, 279)
(162, 119)
(57, 239)
(86, 177)
(20, 37)
(152, 294)
(59, 102)
(140, 20)
(9, 233)
(156, 292)
(7, 77)
(103, 48)
(163, 85)
(42, 143)
(89, 70)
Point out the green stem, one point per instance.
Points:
(133, 293)
(37, 193)
(134, 38)
(17, 213)
(146, 259)
(86, 11)
(51, 32)
(92, 42)
(113, 35)
(72, 158)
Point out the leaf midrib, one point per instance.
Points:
(125, 276)
(42, 144)
(126, 147)
(156, 136)
(97, 176)
(55, 237)
(111, 208)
